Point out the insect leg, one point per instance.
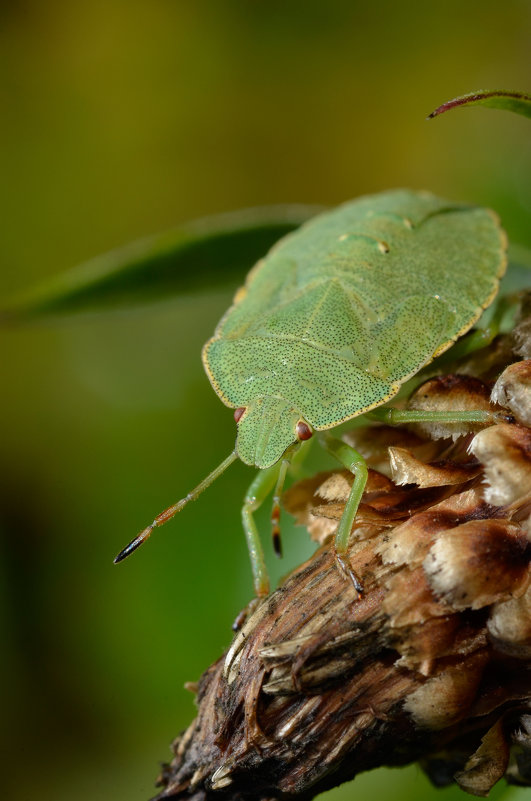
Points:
(277, 494)
(260, 488)
(354, 462)
(393, 416)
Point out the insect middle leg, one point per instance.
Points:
(258, 491)
(275, 511)
(353, 461)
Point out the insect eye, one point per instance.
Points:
(303, 430)
(238, 413)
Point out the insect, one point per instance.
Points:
(330, 324)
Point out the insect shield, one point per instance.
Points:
(330, 324)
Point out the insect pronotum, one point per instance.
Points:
(330, 324)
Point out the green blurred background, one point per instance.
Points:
(120, 119)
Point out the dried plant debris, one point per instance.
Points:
(432, 663)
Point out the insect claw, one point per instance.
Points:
(239, 620)
(133, 545)
(504, 417)
(277, 542)
(275, 511)
(349, 574)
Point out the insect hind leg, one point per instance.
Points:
(394, 417)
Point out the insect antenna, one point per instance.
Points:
(171, 511)
(275, 511)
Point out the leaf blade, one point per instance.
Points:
(206, 253)
(518, 102)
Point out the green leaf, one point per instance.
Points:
(518, 102)
(518, 275)
(516, 279)
(520, 254)
(212, 252)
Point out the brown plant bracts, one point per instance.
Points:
(432, 663)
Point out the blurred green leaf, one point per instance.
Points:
(516, 279)
(518, 102)
(211, 252)
(519, 254)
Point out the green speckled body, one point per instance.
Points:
(341, 312)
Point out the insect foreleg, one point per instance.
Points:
(260, 488)
(354, 462)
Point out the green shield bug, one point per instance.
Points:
(331, 323)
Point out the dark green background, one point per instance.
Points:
(120, 119)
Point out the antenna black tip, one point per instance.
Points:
(133, 545)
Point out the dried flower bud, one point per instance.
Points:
(509, 626)
(318, 685)
(505, 452)
(478, 563)
(513, 390)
